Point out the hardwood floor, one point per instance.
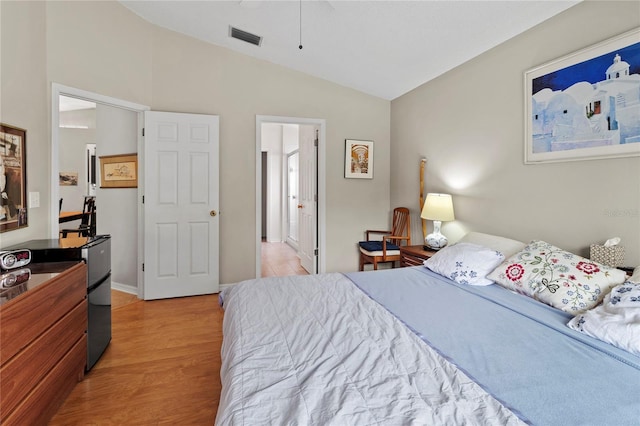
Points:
(163, 363)
(120, 298)
(279, 260)
(161, 367)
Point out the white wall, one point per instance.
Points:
(24, 104)
(117, 208)
(469, 124)
(104, 48)
(272, 144)
(277, 141)
(290, 139)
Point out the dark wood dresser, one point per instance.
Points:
(43, 346)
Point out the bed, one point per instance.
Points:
(464, 340)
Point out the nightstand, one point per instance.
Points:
(414, 255)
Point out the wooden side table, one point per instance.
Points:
(414, 255)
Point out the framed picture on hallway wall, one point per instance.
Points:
(585, 105)
(358, 159)
(119, 171)
(13, 178)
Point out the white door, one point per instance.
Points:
(181, 185)
(292, 198)
(307, 206)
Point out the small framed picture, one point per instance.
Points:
(68, 178)
(358, 159)
(119, 171)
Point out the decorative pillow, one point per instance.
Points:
(506, 246)
(556, 277)
(616, 321)
(465, 263)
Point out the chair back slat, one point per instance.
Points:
(88, 209)
(401, 225)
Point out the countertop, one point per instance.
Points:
(16, 282)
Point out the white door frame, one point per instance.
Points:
(58, 90)
(321, 219)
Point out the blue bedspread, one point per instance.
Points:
(517, 349)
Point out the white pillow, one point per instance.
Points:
(506, 246)
(635, 277)
(616, 320)
(465, 263)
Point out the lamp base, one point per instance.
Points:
(436, 241)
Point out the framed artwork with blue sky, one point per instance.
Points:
(585, 105)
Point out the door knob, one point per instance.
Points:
(213, 213)
(300, 206)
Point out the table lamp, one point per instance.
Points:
(437, 207)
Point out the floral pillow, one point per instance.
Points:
(616, 320)
(556, 277)
(465, 263)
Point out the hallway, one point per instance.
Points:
(279, 260)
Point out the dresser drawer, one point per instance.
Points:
(24, 319)
(23, 372)
(47, 397)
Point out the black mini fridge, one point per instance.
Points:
(97, 254)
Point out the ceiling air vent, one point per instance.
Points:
(245, 36)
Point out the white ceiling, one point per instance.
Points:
(383, 48)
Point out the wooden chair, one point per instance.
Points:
(87, 227)
(388, 248)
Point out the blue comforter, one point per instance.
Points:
(519, 350)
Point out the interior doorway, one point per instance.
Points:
(111, 115)
(288, 213)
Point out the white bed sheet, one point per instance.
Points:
(316, 350)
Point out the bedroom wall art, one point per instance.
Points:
(585, 105)
(13, 178)
(119, 171)
(358, 159)
(68, 178)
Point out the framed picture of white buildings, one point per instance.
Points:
(585, 105)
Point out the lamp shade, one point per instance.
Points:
(438, 207)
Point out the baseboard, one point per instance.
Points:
(124, 288)
(134, 290)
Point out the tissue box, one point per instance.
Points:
(610, 256)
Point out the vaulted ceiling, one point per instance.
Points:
(383, 48)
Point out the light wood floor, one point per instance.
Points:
(161, 367)
(279, 260)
